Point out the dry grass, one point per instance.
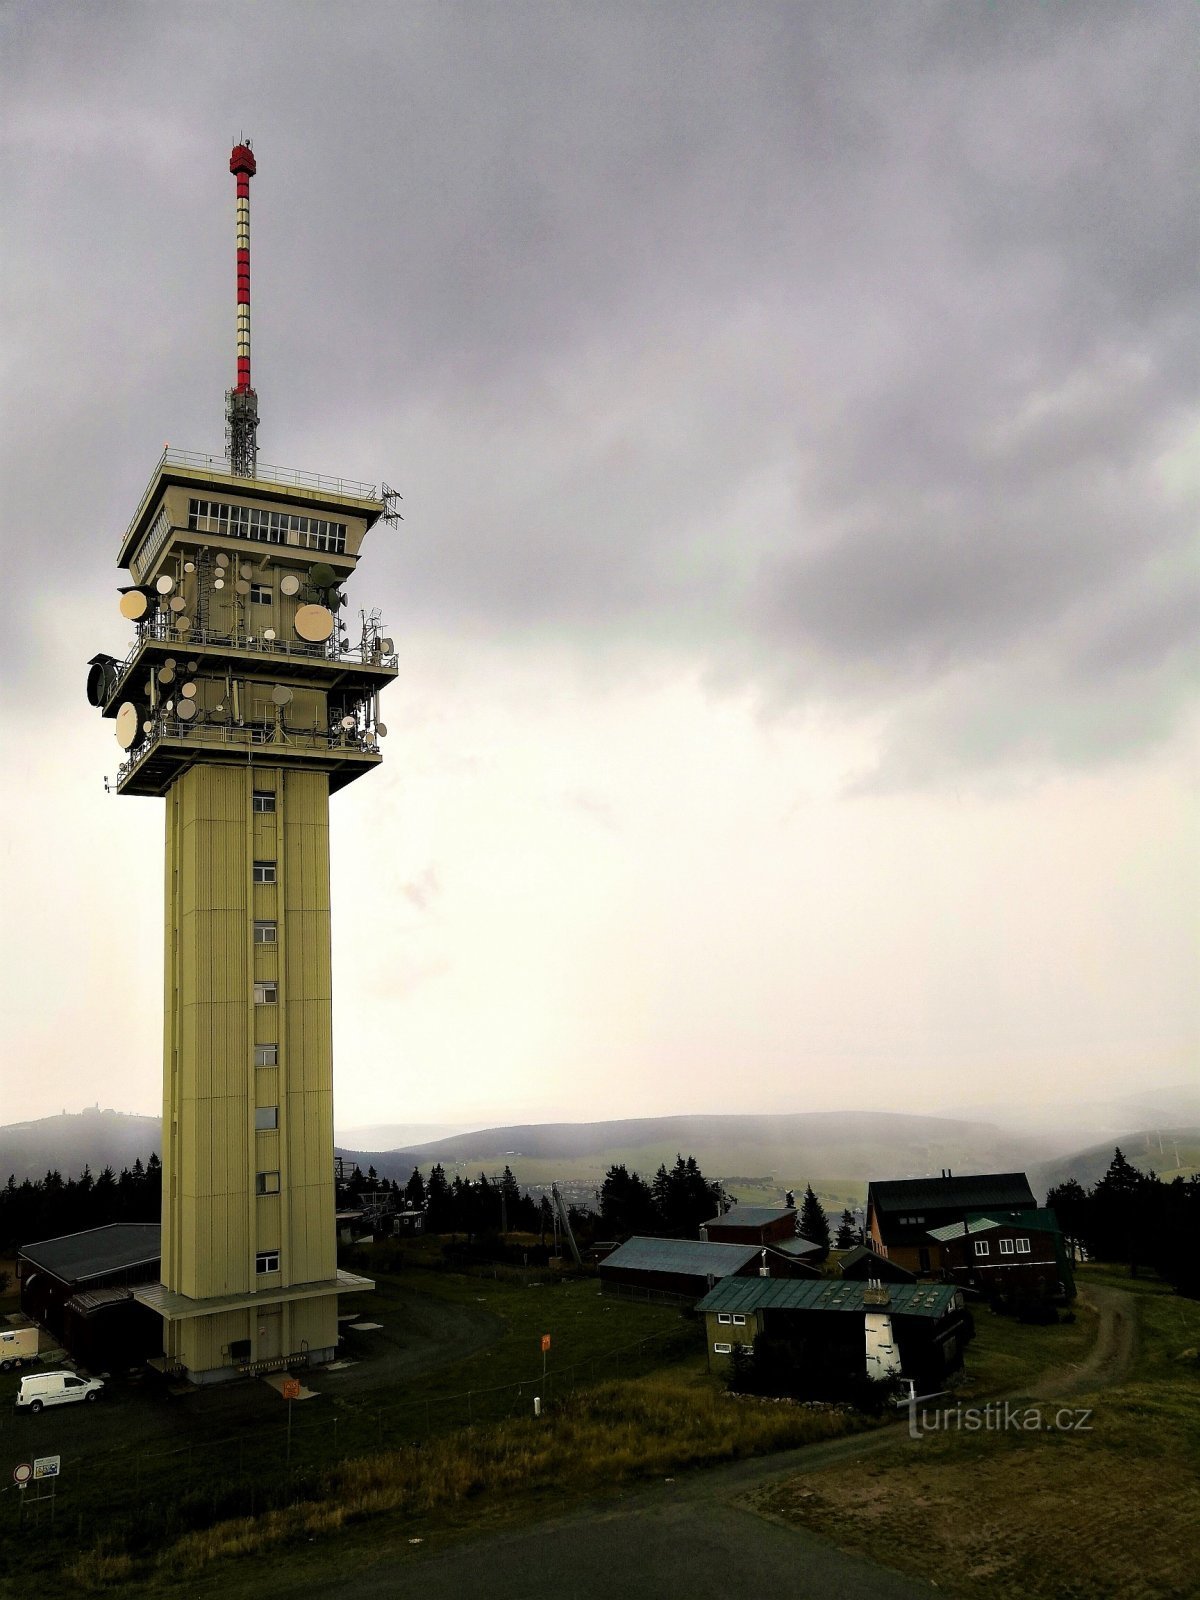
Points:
(600, 1437)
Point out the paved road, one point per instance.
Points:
(683, 1540)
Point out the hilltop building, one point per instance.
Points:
(901, 1212)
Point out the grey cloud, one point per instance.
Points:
(833, 349)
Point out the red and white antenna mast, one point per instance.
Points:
(241, 403)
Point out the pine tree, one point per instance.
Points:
(814, 1224)
(414, 1191)
(847, 1234)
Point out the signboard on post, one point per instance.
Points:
(290, 1388)
(46, 1467)
(545, 1343)
(23, 1473)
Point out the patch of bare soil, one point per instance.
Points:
(1019, 1524)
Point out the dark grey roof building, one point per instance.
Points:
(79, 1288)
(674, 1269)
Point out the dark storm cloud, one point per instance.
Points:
(847, 351)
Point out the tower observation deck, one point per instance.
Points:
(244, 699)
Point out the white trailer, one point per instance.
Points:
(18, 1347)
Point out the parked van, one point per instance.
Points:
(17, 1346)
(55, 1389)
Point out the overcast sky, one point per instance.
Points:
(796, 408)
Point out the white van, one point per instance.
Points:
(55, 1389)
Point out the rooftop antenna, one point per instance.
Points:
(241, 403)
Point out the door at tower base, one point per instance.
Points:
(223, 1345)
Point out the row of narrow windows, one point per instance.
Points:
(272, 527)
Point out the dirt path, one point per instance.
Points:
(1110, 1356)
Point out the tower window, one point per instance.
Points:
(264, 800)
(260, 594)
(265, 933)
(264, 872)
(266, 1261)
(266, 1118)
(266, 1183)
(266, 994)
(266, 1055)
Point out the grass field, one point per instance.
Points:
(1049, 1515)
(433, 1424)
(451, 1350)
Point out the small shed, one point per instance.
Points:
(751, 1225)
(677, 1271)
(865, 1264)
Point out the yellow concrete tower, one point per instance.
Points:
(245, 702)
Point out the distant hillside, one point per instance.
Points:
(73, 1140)
(837, 1151)
(1169, 1152)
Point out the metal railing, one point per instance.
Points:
(292, 477)
(159, 628)
(248, 735)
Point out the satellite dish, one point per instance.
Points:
(323, 576)
(147, 726)
(185, 710)
(381, 729)
(166, 674)
(177, 603)
(188, 691)
(128, 721)
(268, 633)
(388, 646)
(220, 709)
(182, 624)
(246, 569)
(165, 584)
(218, 583)
(189, 566)
(193, 666)
(281, 695)
(169, 707)
(171, 662)
(96, 684)
(222, 559)
(133, 606)
(314, 623)
(289, 584)
(348, 723)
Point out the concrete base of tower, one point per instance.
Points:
(244, 1335)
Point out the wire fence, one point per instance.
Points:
(154, 1494)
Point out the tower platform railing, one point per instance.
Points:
(158, 629)
(249, 735)
(287, 477)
